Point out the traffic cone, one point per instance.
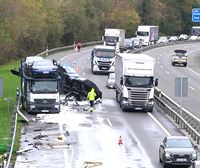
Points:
(120, 141)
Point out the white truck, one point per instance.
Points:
(114, 37)
(39, 85)
(148, 34)
(103, 59)
(135, 81)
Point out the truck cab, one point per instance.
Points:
(148, 34)
(114, 37)
(103, 59)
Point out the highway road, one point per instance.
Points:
(93, 137)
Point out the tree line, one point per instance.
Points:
(27, 27)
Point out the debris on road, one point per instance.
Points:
(24, 150)
(90, 164)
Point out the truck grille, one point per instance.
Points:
(44, 101)
(138, 97)
(101, 63)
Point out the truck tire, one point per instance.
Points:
(185, 64)
(116, 96)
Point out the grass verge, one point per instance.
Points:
(7, 101)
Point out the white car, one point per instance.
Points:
(194, 38)
(163, 39)
(137, 42)
(110, 82)
(183, 37)
(173, 38)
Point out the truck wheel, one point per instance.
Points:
(185, 64)
(117, 96)
(150, 110)
(173, 63)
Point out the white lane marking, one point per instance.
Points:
(73, 54)
(158, 62)
(193, 71)
(85, 62)
(158, 58)
(109, 122)
(83, 73)
(167, 72)
(191, 87)
(64, 151)
(161, 67)
(159, 124)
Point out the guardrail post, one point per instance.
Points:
(47, 51)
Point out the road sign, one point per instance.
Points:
(1, 87)
(181, 87)
(196, 15)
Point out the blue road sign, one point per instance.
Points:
(196, 15)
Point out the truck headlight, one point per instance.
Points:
(125, 101)
(57, 106)
(168, 155)
(32, 106)
(150, 102)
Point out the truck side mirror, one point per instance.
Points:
(121, 81)
(92, 53)
(14, 72)
(156, 82)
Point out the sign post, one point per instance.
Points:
(196, 15)
(181, 89)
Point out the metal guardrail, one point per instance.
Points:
(11, 139)
(59, 49)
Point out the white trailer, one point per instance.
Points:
(135, 81)
(148, 34)
(114, 37)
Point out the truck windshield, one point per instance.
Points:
(112, 39)
(104, 53)
(44, 86)
(140, 33)
(133, 81)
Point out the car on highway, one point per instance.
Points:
(179, 57)
(173, 38)
(177, 151)
(110, 82)
(71, 71)
(195, 164)
(183, 37)
(137, 42)
(128, 44)
(163, 39)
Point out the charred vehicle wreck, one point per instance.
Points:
(77, 87)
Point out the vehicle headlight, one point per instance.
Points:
(194, 155)
(167, 154)
(57, 106)
(125, 101)
(150, 102)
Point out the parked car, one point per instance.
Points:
(177, 151)
(173, 38)
(183, 37)
(128, 44)
(110, 82)
(71, 71)
(137, 42)
(195, 164)
(163, 39)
